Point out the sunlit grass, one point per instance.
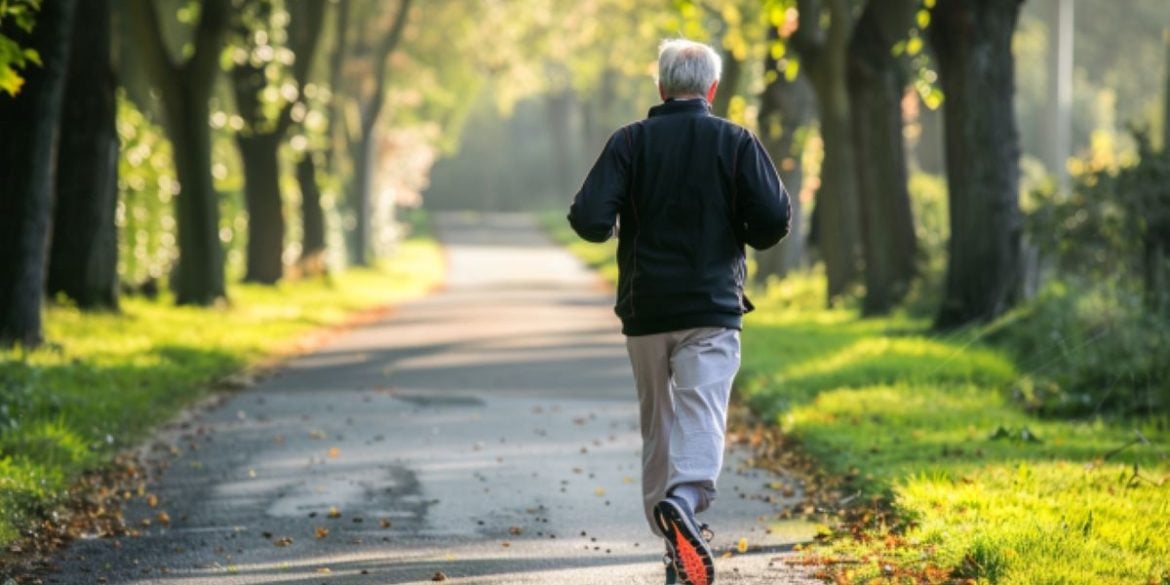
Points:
(991, 492)
(926, 421)
(105, 380)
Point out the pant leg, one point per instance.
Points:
(650, 358)
(704, 364)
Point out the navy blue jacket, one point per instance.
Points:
(690, 189)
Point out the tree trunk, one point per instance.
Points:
(787, 109)
(258, 153)
(365, 149)
(185, 90)
(728, 84)
(198, 277)
(312, 261)
(837, 213)
(83, 257)
(876, 86)
(360, 187)
(976, 71)
(31, 122)
(836, 217)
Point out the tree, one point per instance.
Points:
(31, 122)
(369, 96)
(877, 83)
(185, 87)
(823, 54)
(83, 258)
(973, 43)
(259, 142)
(787, 110)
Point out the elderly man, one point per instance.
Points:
(688, 191)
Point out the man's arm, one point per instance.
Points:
(763, 210)
(595, 208)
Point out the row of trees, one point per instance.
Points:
(63, 64)
(840, 71)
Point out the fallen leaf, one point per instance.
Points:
(439, 576)
(322, 532)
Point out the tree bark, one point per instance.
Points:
(976, 70)
(877, 84)
(365, 146)
(31, 123)
(83, 257)
(312, 260)
(362, 154)
(837, 216)
(259, 155)
(259, 143)
(787, 109)
(198, 277)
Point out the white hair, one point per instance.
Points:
(687, 68)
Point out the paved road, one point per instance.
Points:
(487, 432)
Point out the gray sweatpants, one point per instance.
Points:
(684, 382)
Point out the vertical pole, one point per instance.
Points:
(1062, 44)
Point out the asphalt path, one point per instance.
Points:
(484, 434)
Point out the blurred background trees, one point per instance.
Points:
(203, 142)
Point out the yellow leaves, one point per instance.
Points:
(321, 532)
(742, 545)
(334, 452)
(923, 18)
(334, 512)
(914, 45)
(599, 492)
(163, 518)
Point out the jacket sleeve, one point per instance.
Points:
(763, 211)
(594, 212)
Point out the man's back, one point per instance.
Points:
(690, 189)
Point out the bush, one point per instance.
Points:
(1085, 349)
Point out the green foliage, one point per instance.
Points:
(111, 377)
(1097, 339)
(1088, 348)
(147, 186)
(926, 422)
(1102, 228)
(19, 14)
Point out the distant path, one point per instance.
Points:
(492, 424)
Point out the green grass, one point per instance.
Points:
(926, 422)
(105, 380)
(988, 491)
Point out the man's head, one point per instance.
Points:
(687, 69)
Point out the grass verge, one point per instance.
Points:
(981, 490)
(105, 380)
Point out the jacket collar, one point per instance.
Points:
(698, 106)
